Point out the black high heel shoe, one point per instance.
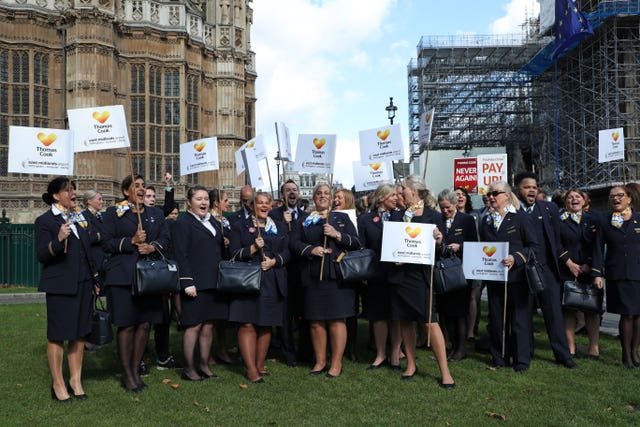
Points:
(136, 390)
(82, 396)
(54, 397)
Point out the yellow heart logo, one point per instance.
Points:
(251, 144)
(383, 135)
(427, 118)
(412, 231)
(45, 139)
(319, 142)
(199, 146)
(375, 166)
(489, 250)
(615, 136)
(101, 117)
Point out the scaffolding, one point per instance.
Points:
(508, 91)
(595, 87)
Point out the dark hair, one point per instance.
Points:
(127, 181)
(468, 207)
(215, 195)
(522, 176)
(633, 191)
(289, 181)
(192, 191)
(150, 187)
(55, 186)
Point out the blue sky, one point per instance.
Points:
(330, 66)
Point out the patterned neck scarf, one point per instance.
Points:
(617, 219)
(411, 211)
(576, 216)
(314, 217)
(77, 217)
(269, 227)
(58, 209)
(496, 217)
(221, 218)
(384, 215)
(449, 223)
(122, 207)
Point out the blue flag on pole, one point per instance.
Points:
(571, 26)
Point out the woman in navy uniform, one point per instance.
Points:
(581, 260)
(621, 234)
(377, 297)
(508, 223)
(198, 245)
(64, 250)
(261, 240)
(132, 230)
(94, 203)
(318, 241)
(410, 296)
(453, 307)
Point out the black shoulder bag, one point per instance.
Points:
(448, 275)
(533, 271)
(156, 275)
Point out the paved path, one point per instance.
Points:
(609, 322)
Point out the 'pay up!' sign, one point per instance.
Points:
(491, 168)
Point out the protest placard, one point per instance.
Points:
(40, 150)
(381, 144)
(483, 260)
(199, 156)
(98, 128)
(411, 243)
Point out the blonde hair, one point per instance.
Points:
(503, 186)
(349, 200)
(381, 194)
(414, 182)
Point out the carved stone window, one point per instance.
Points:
(174, 15)
(137, 11)
(155, 16)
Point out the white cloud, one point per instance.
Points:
(516, 13)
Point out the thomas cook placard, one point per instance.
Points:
(483, 260)
(98, 128)
(40, 150)
(381, 144)
(199, 156)
(316, 153)
(411, 243)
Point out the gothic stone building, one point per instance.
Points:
(183, 70)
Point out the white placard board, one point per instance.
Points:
(408, 242)
(199, 156)
(316, 153)
(483, 260)
(368, 177)
(381, 144)
(610, 145)
(98, 128)
(40, 150)
(491, 168)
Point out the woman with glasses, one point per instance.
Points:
(621, 234)
(508, 223)
(580, 237)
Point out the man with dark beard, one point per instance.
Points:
(546, 218)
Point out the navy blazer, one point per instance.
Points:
(517, 229)
(581, 243)
(96, 234)
(61, 272)
(118, 232)
(370, 227)
(623, 249)
(197, 252)
(463, 229)
(244, 234)
(546, 222)
(277, 214)
(303, 239)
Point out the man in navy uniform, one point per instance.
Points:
(293, 308)
(545, 217)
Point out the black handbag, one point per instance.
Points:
(356, 266)
(533, 272)
(582, 296)
(101, 331)
(448, 275)
(156, 276)
(239, 277)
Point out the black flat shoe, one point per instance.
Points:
(263, 374)
(207, 376)
(221, 361)
(448, 386)
(136, 390)
(185, 377)
(142, 385)
(409, 377)
(318, 372)
(82, 396)
(258, 381)
(373, 367)
(54, 397)
(395, 367)
(568, 363)
(328, 376)
(593, 357)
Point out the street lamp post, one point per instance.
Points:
(391, 110)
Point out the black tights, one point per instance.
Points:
(629, 328)
(132, 342)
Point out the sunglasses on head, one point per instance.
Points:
(494, 193)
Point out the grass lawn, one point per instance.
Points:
(597, 393)
(17, 289)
